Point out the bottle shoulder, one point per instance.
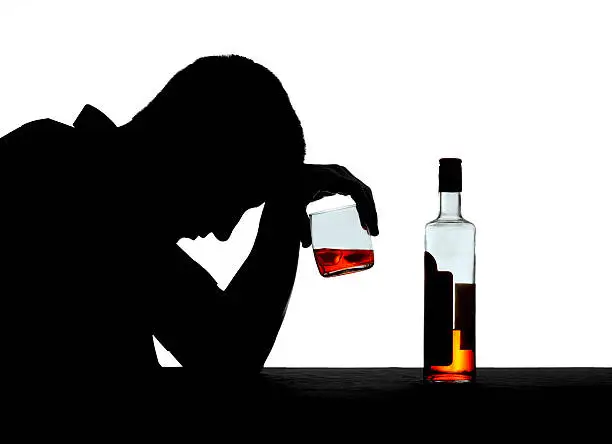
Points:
(450, 223)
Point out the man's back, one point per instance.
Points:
(71, 293)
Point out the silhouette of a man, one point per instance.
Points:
(93, 213)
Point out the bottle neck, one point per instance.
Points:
(450, 205)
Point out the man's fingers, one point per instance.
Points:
(337, 179)
(321, 194)
(374, 214)
(362, 195)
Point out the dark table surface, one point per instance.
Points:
(350, 400)
(329, 381)
(389, 385)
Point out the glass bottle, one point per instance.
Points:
(450, 288)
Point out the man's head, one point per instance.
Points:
(222, 133)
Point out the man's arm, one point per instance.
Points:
(235, 329)
(263, 285)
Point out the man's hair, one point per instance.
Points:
(224, 108)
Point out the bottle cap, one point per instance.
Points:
(449, 175)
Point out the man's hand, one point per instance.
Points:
(320, 181)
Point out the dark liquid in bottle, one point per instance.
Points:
(450, 353)
(335, 261)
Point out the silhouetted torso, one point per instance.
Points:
(92, 214)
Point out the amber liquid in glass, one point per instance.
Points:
(336, 261)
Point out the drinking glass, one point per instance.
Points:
(339, 242)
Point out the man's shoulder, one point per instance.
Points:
(89, 120)
(44, 127)
(36, 136)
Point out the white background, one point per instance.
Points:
(520, 90)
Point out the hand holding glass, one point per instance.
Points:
(340, 244)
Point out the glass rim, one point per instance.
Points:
(344, 207)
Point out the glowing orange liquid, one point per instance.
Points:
(461, 369)
(335, 262)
